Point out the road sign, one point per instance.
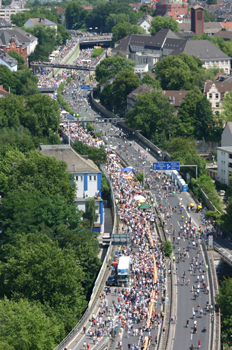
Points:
(85, 87)
(166, 166)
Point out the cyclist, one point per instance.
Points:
(187, 323)
(199, 344)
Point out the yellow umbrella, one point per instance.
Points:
(129, 177)
(142, 201)
(199, 207)
(192, 205)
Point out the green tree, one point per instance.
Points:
(224, 299)
(227, 107)
(27, 212)
(144, 8)
(178, 72)
(211, 2)
(154, 115)
(106, 97)
(35, 173)
(90, 212)
(105, 189)
(36, 269)
(149, 80)
(209, 17)
(19, 58)
(160, 22)
(185, 156)
(168, 249)
(125, 83)
(121, 30)
(97, 155)
(195, 116)
(176, 144)
(26, 326)
(111, 66)
(75, 15)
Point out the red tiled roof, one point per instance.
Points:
(227, 25)
(59, 9)
(3, 92)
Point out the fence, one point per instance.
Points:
(211, 286)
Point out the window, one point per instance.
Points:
(210, 95)
(216, 95)
(76, 178)
(81, 178)
(90, 177)
(217, 104)
(94, 177)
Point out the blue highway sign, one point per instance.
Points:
(166, 166)
(85, 87)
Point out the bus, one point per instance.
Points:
(123, 271)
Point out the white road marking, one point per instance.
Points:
(178, 223)
(187, 254)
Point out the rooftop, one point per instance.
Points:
(8, 59)
(75, 162)
(221, 86)
(225, 149)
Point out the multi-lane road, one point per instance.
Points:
(185, 302)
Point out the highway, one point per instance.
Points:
(185, 301)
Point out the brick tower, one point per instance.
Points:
(197, 19)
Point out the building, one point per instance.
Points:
(145, 49)
(4, 24)
(145, 22)
(197, 20)
(8, 61)
(175, 97)
(132, 97)
(215, 92)
(226, 138)
(224, 34)
(164, 6)
(210, 28)
(86, 176)
(28, 40)
(3, 92)
(224, 164)
(32, 22)
(206, 51)
(11, 43)
(5, 13)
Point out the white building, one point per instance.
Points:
(215, 93)
(145, 22)
(85, 174)
(8, 61)
(224, 164)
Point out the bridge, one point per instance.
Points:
(37, 66)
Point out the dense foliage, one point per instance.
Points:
(121, 30)
(21, 82)
(111, 66)
(97, 155)
(160, 22)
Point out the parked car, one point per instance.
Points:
(222, 193)
(110, 281)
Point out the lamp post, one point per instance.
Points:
(144, 174)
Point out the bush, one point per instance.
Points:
(97, 52)
(168, 249)
(139, 177)
(212, 214)
(97, 134)
(65, 104)
(68, 80)
(61, 87)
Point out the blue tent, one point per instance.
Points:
(126, 169)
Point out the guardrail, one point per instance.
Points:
(211, 342)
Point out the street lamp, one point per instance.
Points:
(146, 166)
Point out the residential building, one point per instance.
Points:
(32, 22)
(141, 68)
(175, 97)
(145, 49)
(85, 174)
(3, 92)
(145, 22)
(5, 24)
(132, 97)
(215, 92)
(224, 34)
(11, 43)
(224, 164)
(164, 6)
(8, 61)
(27, 39)
(207, 52)
(226, 138)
